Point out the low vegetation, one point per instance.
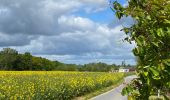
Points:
(53, 85)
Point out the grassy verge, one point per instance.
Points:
(98, 92)
(129, 74)
(150, 98)
(103, 90)
(156, 98)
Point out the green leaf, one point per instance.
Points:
(119, 15)
(145, 73)
(148, 17)
(119, 10)
(154, 71)
(167, 21)
(166, 62)
(117, 6)
(160, 32)
(126, 30)
(135, 51)
(127, 90)
(124, 91)
(155, 43)
(139, 42)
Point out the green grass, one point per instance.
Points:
(98, 92)
(103, 90)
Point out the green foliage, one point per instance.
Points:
(10, 59)
(97, 67)
(151, 33)
(102, 67)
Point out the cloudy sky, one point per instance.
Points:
(74, 31)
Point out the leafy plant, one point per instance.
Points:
(151, 33)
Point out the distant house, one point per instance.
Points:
(123, 70)
(132, 69)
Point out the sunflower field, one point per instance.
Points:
(52, 85)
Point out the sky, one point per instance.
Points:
(74, 31)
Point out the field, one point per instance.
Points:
(39, 85)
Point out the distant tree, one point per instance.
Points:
(8, 58)
(123, 63)
(24, 62)
(37, 63)
(28, 60)
(9, 51)
(97, 67)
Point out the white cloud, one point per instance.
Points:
(94, 6)
(49, 28)
(40, 16)
(90, 58)
(73, 23)
(101, 39)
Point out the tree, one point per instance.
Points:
(97, 67)
(28, 60)
(123, 63)
(24, 62)
(8, 58)
(151, 33)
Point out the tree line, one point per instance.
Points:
(10, 59)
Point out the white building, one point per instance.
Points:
(123, 70)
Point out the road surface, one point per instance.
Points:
(114, 94)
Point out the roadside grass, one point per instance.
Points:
(103, 90)
(100, 91)
(156, 98)
(150, 98)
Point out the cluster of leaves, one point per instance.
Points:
(151, 33)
